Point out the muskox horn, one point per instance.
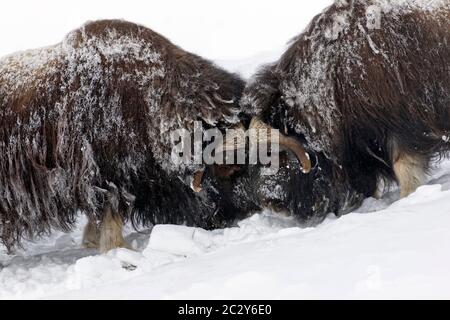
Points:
(197, 179)
(284, 141)
(234, 140)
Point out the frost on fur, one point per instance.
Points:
(99, 108)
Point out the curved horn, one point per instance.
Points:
(197, 179)
(284, 141)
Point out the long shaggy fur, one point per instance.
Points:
(93, 115)
(366, 75)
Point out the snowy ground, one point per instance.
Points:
(388, 248)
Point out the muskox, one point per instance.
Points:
(85, 128)
(366, 90)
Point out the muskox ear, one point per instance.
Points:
(262, 92)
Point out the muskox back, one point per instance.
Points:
(96, 111)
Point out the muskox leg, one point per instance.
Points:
(409, 171)
(111, 228)
(378, 194)
(91, 234)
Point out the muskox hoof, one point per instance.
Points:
(111, 236)
(91, 235)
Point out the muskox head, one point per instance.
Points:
(305, 183)
(296, 185)
(252, 185)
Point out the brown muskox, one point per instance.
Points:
(85, 128)
(366, 89)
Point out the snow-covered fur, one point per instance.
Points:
(92, 116)
(365, 86)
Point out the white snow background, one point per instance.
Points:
(388, 248)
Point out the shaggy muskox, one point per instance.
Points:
(366, 90)
(85, 127)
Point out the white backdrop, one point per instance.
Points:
(219, 30)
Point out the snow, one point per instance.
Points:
(373, 17)
(388, 248)
(179, 240)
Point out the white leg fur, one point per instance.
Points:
(91, 235)
(378, 194)
(111, 236)
(410, 173)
